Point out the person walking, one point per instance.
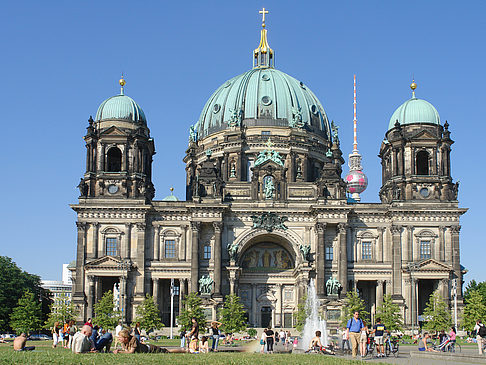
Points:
(345, 340)
(353, 332)
(72, 331)
(379, 331)
(480, 330)
(215, 334)
(55, 334)
(270, 340)
(363, 339)
(452, 338)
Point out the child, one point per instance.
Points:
(204, 345)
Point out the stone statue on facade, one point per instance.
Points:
(269, 189)
(334, 129)
(83, 188)
(205, 284)
(232, 251)
(269, 221)
(296, 121)
(235, 117)
(305, 251)
(192, 134)
(333, 286)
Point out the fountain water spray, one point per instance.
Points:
(313, 322)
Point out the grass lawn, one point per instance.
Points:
(44, 354)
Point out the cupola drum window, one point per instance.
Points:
(114, 159)
(422, 163)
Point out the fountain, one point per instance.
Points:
(313, 322)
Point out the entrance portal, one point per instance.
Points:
(266, 317)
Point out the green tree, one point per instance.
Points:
(301, 314)
(390, 315)
(62, 310)
(353, 303)
(232, 315)
(473, 285)
(13, 283)
(148, 315)
(192, 307)
(475, 309)
(27, 315)
(436, 314)
(105, 314)
(252, 332)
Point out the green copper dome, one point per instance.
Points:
(262, 97)
(415, 111)
(120, 107)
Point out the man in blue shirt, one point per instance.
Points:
(353, 332)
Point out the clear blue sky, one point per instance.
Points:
(60, 60)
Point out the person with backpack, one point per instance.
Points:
(480, 330)
(353, 332)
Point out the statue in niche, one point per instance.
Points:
(299, 168)
(333, 286)
(232, 251)
(266, 259)
(305, 251)
(233, 169)
(205, 284)
(269, 188)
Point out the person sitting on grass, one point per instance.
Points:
(19, 343)
(193, 345)
(130, 345)
(423, 343)
(204, 345)
(81, 342)
(101, 341)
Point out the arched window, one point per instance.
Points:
(422, 163)
(114, 160)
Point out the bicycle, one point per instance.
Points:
(391, 346)
(448, 346)
(370, 347)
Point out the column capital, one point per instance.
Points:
(217, 226)
(140, 226)
(91, 279)
(195, 226)
(455, 228)
(81, 226)
(395, 229)
(342, 227)
(95, 224)
(380, 281)
(321, 227)
(129, 225)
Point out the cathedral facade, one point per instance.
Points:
(266, 208)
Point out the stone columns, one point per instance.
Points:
(182, 292)
(379, 293)
(396, 262)
(94, 241)
(156, 242)
(91, 295)
(80, 255)
(254, 304)
(279, 306)
(126, 251)
(140, 260)
(441, 243)
(320, 259)
(155, 291)
(195, 256)
(408, 300)
(343, 258)
(407, 245)
(217, 258)
(456, 264)
(379, 253)
(182, 251)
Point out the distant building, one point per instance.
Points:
(61, 290)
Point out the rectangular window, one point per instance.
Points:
(111, 247)
(207, 252)
(329, 254)
(366, 250)
(265, 133)
(170, 249)
(176, 290)
(425, 250)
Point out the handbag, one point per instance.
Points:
(262, 342)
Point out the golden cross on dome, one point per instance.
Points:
(263, 12)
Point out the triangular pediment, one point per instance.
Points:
(433, 265)
(269, 163)
(114, 131)
(424, 135)
(104, 262)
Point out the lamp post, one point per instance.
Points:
(124, 265)
(412, 266)
(454, 293)
(171, 307)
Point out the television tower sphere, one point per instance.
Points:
(356, 182)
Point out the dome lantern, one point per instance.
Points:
(263, 55)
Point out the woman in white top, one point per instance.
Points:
(479, 339)
(363, 339)
(263, 340)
